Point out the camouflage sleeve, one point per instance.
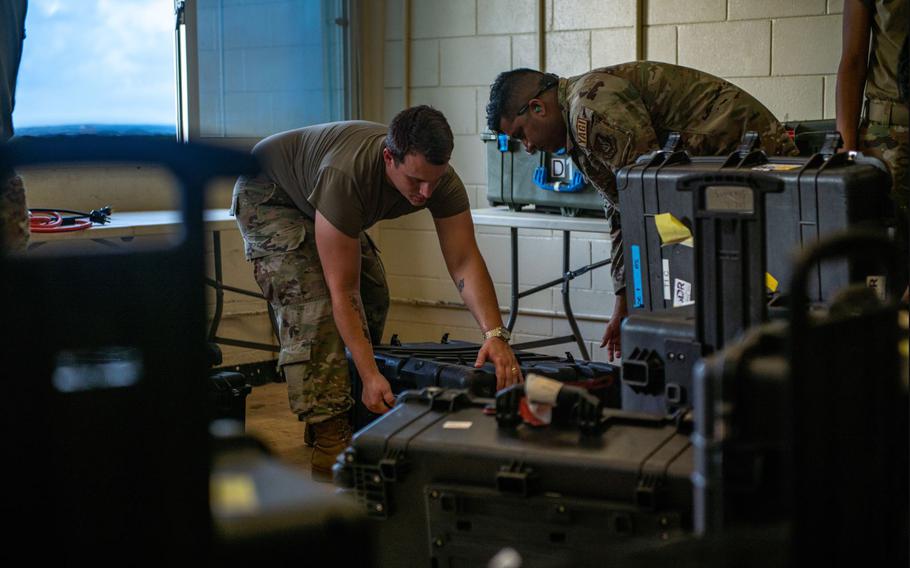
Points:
(14, 231)
(615, 139)
(617, 260)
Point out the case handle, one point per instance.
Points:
(583, 409)
(540, 180)
(730, 247)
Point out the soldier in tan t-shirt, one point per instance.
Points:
(872, 115)
(303, 219)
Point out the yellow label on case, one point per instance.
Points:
(776, 167)
(234, 493)
(672, 231)
(771, 282)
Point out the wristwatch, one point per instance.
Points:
(500, 332)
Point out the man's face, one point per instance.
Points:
(414, 177)
(538, 129)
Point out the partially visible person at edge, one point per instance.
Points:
(872, 113)
(303, 219)
(606, 118)
(14, 230)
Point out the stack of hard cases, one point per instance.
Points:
(453, 479)
(450, 364)
(550, 182)
(687, 300)
(799, 442)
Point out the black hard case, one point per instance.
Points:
(660, 351)
(284, 515)
(448, 487)
(805, 422)
(661, 348)
(511, 180)
(110, 464)
(451, 365)
(227, 395)
(823, 194)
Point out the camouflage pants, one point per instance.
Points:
(280, 242)
(14, 230)
(891, 144)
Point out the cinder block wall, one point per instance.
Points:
(784, 52)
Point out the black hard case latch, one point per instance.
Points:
(516, 479)
(748, 154)
(671, 153)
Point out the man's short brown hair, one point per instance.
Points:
(421, 129)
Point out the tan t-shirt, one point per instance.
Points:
(338, 170)
(889, 30)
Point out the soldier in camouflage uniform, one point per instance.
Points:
(303, 220)
(606, 118)
(878, 125)
(14, 230)
(281, 244)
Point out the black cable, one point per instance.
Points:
(99, 216)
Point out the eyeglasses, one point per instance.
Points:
(542, 90)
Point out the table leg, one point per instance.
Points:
(566, 302)
(219, 287)
(513, 301)
(219, 291)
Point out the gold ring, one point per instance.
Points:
(514, 369)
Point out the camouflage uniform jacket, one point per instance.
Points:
(615, 114)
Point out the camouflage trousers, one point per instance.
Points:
(14, 232)
(280, 242)
(891, 144)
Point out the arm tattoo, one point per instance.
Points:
(460, 286)
(358, 308)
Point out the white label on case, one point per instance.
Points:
(457, 424)
(541, 389)
(682, 293)
(667, 288)
(877, 283)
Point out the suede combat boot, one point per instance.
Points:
(331, 437)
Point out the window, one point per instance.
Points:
(245, 68)
(250, 68)
(97, 66)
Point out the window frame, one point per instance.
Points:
(187, 75)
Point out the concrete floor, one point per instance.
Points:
(269, 419)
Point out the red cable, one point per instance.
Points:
(53, 223)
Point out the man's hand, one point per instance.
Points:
(377, 394)
(611, 339)
(500, 354)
